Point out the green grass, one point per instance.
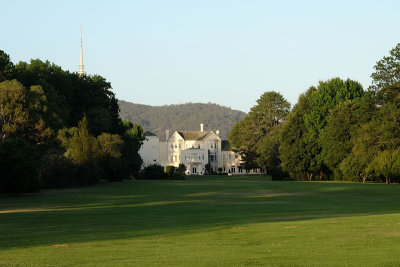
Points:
(204, 221)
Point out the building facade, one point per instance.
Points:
(198, 150)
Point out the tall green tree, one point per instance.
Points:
(81, 147)
(326, 96)
(343, 122)
(380, 134)
(387, 70)
(298, 150)
(22, 112)
(133, 138)
(245, 136)
(6, 67)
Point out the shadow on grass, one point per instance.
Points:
(148, 208)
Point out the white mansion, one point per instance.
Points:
(195, 149)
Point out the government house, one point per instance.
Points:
(195, 149)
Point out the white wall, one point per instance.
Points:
(150, 151)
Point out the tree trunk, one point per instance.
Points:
(309, 176)
(364, 178)
(387, 180)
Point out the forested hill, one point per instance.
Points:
(188, 116)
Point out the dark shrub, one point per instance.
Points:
(180, 171)
(153, 171)
(113, 169)
(85, 174)
(19, 164)
(176, 173)
(57, 170)
(278, 174)
(170, 170)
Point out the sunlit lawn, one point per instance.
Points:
(204, 221)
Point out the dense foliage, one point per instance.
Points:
(335, 131)
(70, 121)
(182, 117)
(19, 170)
(255, 137)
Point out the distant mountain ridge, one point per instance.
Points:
(185, 117)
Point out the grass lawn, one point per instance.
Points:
(204, 221)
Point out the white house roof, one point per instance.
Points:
(193, 135)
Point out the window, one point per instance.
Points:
(229, 156)
(236, 156)
(172, 158)
(203, 156)
(215, 145)
(179, 145)
(211, 145)
(240, 169)
(233, 169)
(172, 145)
(198, 146)
(213, 157)
(176, 146)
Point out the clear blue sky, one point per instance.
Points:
(224, 52)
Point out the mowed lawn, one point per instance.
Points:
(204, 221)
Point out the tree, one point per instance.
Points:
(268, 150)
(19, 170)
(326, 96)
(343, 122)
(71, 96)
(22, 112)
(81, 147)
(133, 138)
(297, 150)
(387, 70)
(109, 158)
(6, 66)
(14, 114)
(271, 109)
(387, 164)
(380, 134)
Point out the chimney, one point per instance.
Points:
(217, 132)
(166, 135)
(201, 127)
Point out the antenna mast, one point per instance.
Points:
(81, 71)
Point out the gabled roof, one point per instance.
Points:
(193, 135)
(148, 133)
(225, 146)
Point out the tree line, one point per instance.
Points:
(336, 131)
(59, 129)
(181, 117)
